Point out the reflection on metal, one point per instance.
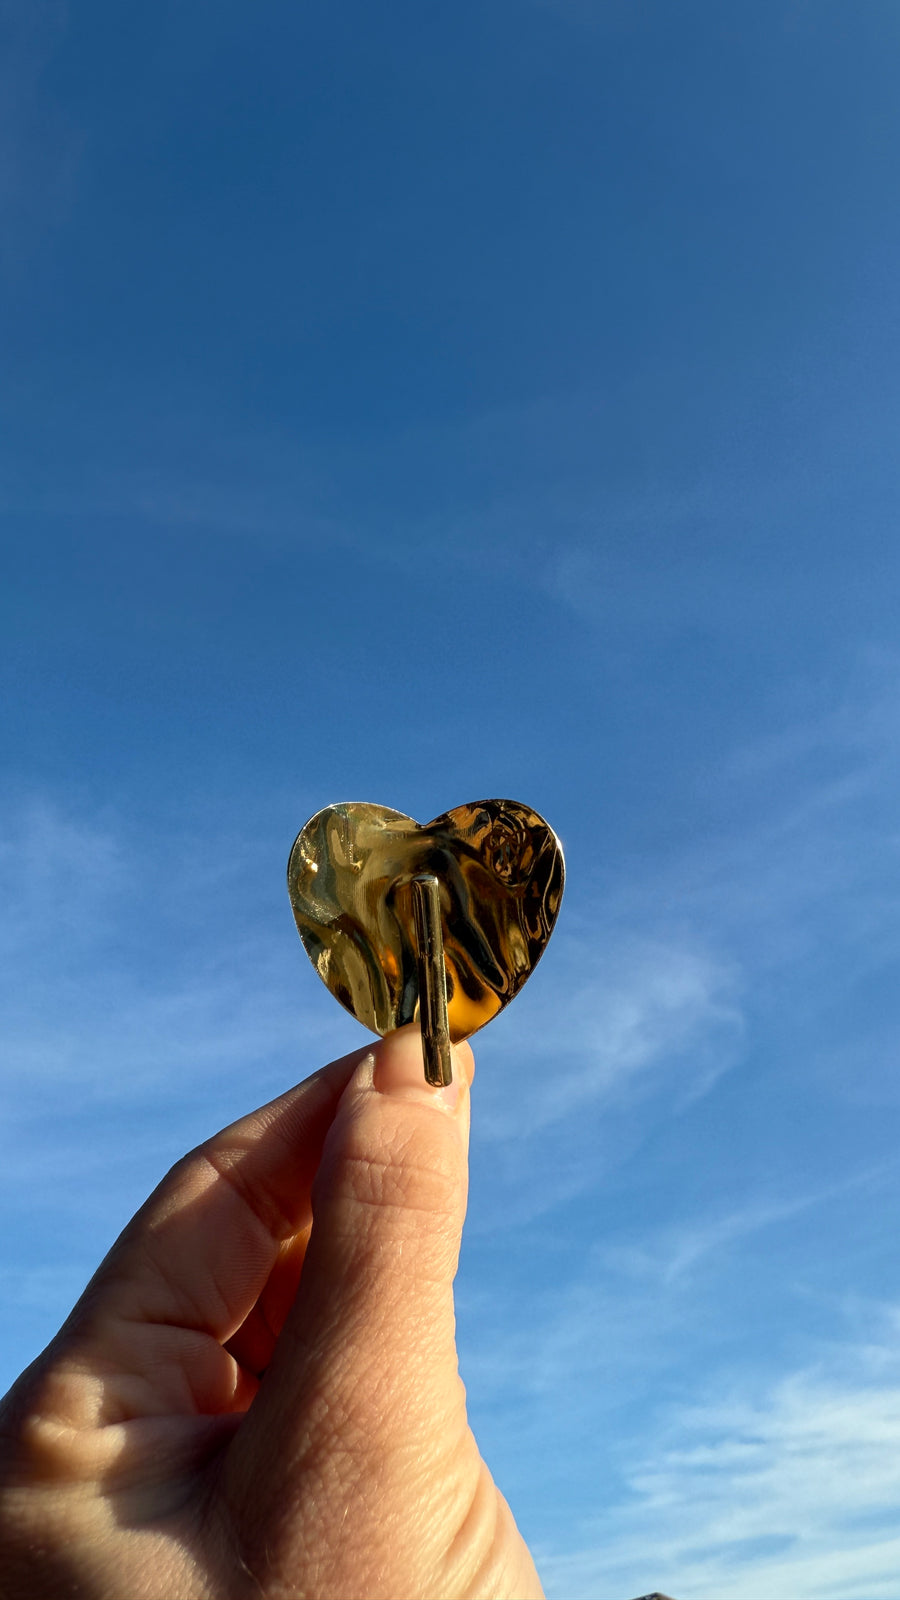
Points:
(432, 978)
(373, 925)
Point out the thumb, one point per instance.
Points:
(365, 1370)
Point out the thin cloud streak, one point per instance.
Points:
(634, 1004)
(788, 1491)
(673, 1257)
(119, 993)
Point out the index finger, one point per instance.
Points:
(198, 1253)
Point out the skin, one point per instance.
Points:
(257, 1395)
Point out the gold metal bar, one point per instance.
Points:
(432, 980)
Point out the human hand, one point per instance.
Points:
(257, 1394)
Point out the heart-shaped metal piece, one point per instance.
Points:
(500, 874)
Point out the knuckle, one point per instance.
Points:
(404, 1174)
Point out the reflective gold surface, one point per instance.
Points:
(431, 973)
(500, 876)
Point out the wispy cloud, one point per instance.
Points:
(634, 1296)
(789, 1491)
(678, 1249)
(766, 920)
(135, 968)
(665, 977)
(634, 1008)
(805, 854)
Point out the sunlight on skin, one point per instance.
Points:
(258, 1391)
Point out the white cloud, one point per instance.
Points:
(809, 866)
(791, 1493)
(613, 1013)
(656, 985)
(134, 968)
(623, 1316)
(58, 873)
(678, 1249)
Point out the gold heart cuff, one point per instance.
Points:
(441, 923)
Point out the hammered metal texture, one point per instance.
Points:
(500, 870)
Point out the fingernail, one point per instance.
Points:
(399, 1071)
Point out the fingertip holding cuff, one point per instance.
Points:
(399, 1071)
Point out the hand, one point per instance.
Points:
(257, 1394)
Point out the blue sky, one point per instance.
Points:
(423, 404)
